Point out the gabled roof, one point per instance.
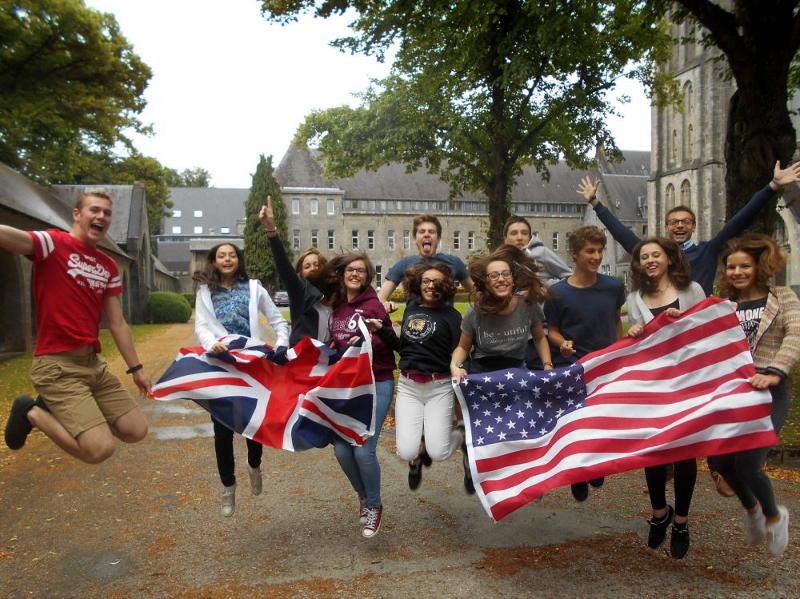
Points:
(22, 195)
(221, 206)
(624, 194)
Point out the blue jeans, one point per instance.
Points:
(360, 464)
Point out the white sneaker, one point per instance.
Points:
(755, 527)
(229, 500)
(778, 533)
(255, 479)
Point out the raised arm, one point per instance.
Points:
(621, 234)
(15, 240)
(288, 276)
(742, 219)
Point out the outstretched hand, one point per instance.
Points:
(588, 188)
(786, 176)
(267, 218)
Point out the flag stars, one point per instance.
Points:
(507, 408)
(501, 436)
(501, 386)
(479, 440)
(524, 434)
(529, 404)
(487, 413)
(509, 376)
(532, 423)
(475, 406)
(539, 413)
(489, 429)
(523, 383)
(476, 422)
(520, 414)
(548, 404)
(487, 379)
(498, 419)
(510, 424)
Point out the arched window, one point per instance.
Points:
(670, 196)
(674, 145)
(689, 143)
(688, 98)
(686, 193)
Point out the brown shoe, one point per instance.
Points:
(723, 488)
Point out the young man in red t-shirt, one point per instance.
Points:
(81, 405)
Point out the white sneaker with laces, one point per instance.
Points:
(255, 479)
(778, 533)
(229, 500)
(755, 527)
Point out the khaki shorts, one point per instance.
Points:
(79, 390)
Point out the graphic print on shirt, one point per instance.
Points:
(88, 272)
(750, 318)
(419, 328)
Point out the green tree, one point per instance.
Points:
(70, 86)
(188, 177)
(478, 90)
(260, 264)
(759, 41)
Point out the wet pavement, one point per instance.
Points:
(147, 523)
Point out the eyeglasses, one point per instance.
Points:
(680, 221)
(493, 276)
(352, 271)
(429, 282)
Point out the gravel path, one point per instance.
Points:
(147, 523)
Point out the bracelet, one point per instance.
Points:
(547, 364)
(133, 369)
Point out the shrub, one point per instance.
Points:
(166, 306)
(189, 298)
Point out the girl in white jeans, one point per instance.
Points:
(425, 398)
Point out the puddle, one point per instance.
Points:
(174, 407)
(168, 433)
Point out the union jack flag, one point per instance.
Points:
(291, 401)
(679, 391)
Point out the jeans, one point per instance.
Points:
(223, 447)
(744, 470)
(360, 464)
(429, 407)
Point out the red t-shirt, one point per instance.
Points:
(70, 283)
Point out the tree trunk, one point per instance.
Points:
(759, 132)
(497, 196)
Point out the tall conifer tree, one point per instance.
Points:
(260, 264)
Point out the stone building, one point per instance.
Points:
(688, 148)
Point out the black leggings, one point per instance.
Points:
(685, 477)
(223, 447)
(744, 470)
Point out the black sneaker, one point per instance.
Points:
(679, 543)
(424, 458)
(469, 486)
(597, 482)
(18, 427)
(658, 528)
(414, 474)
(580, 491)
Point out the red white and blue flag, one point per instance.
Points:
(292, 401)
(678, 391)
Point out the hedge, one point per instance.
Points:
(167, 306)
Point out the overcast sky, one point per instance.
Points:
(228, 86)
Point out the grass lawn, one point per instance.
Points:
(15, 373)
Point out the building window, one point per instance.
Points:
(225, 230)
(689, 142)
(674, 145)
(198, 214)
(176, 230)
(378, 275)
(354, 236)
(295, 206)
(555, 240)
(331, 207)
(670, 195)
(370, 240)
(471, 240)
(331, 239)
(314, 237)
(314, 207)
(198, 229)
(688, 99)
(456, 240)
(406, 239)
(686, 193)
(295, 238)
(390, 240)
(176, 213)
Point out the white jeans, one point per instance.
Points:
(428, 407)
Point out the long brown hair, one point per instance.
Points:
(322, 260)
(524, 280)
(679, 270)
(412, 284)
(766, 255)
(210, 275)
(332, 278)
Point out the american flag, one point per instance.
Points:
(677, 392)
(291, 401)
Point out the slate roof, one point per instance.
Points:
(221, 208)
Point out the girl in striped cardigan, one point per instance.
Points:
(770, 317)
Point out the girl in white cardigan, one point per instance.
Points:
(228, 303)
(662, 282)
